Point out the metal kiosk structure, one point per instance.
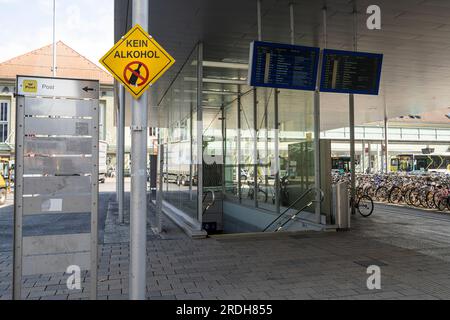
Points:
(56, 178)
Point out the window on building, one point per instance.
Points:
(102, 121)
(152, 132)
(4, 109)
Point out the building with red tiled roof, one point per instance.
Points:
(69, 64)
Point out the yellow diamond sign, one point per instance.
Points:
(137, 61)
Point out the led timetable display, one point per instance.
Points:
(283, 66)
(351, 72)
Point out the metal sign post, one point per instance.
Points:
(138, 205)
(138, 61)
(56, 178)
(121, 154)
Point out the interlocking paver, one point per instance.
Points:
(415, 264)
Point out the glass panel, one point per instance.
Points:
(296, 145)
(247, 141)
(102, 120)
(231, 160)
(212, 149)
(178, 132)
(266, 149)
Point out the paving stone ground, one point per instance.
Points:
(411, 247)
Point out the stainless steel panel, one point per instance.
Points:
(57, 263)
(58, 107)
(57, 166)
(57, 146)
(53, 87)
(18, 201)
(56, 185)
(94, 204)
(63, 127)
(55, 223)
(57, 244)
(57, 204)
(63, 195)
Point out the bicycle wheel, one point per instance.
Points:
(442, 204)
(395, 195)
(381, 193)
(437, 197)
(414, 198)
(423, 198)
(407, 197)
(365, 206)
(430, 200)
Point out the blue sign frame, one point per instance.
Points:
(327, 52)
(253, 65)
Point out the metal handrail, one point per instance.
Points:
(213, 201)
(294, 203)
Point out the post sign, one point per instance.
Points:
(283, 66)
(56, 176)
(351, 72)
(137, 61)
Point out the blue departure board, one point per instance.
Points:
(351, 72)
(283, 66)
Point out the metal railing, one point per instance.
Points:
(294, 216)
(211, 203)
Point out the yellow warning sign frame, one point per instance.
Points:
(139, 37)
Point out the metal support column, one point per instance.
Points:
(120, 157)
(352, 149)
(191, 152)
(255, 116)
(369, 163)
(255, 146)
(54, 40)
(117, 110)
(277, 154)
(159, 195)
(200, 134)
(18, 200)
(138, 205)
(363, 157)
(317, 173)
(259, 18)
(224, 146)
(292, 22)
(352, 119)
(238, 146)
(386, 141)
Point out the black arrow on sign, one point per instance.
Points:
(88, 89)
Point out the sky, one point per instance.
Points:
(87, 26)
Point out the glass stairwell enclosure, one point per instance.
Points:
(236, 157)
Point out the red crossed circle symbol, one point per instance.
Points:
(131, 67)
